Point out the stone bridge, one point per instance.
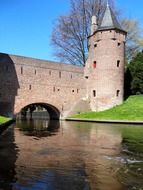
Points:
(58, 87)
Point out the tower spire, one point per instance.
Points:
(109, 20)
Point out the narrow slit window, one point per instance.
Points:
(94, 93)
(94, 64)
(119, 43)
(22, 70)
(71, 76)
(60, 74)
(117, 93)
(95, 45)
(35, 71)
(72, 90)
(50, 72)
(54, 89)
(77, 91)
(118, 63)
(30, 87)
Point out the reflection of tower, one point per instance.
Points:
(104, 70)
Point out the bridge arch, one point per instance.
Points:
(54, 113)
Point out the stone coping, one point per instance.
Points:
(106, 121)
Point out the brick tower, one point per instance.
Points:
(104, 69)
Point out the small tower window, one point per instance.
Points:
(77, 90)
(30, 87)
(86, 77)
(71, 76)
(117, 93)
(95, 45)
(49, 72)
(94, 93)
(119, 43)
(118, 63)
(35, 72)
(94, 64)
(54, 89)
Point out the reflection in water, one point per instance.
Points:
(8, 157)
(131, 173)
(38, 128)
(79, 156)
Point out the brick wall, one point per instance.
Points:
(104, 69)
(26, 81)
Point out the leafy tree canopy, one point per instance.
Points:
(136, 70)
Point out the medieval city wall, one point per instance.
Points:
(26, 80)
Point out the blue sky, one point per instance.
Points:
(26, 25)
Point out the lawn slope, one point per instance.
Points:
(131, 109)
(3, 119)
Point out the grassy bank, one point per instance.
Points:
(131, 109)
(3, 119)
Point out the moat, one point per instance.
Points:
(38, 155)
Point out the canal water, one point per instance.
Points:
(42, 155)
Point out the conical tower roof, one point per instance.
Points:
(109, 20)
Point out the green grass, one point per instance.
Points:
(131, 109)
(3, 119)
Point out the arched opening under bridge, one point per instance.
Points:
(53, 112)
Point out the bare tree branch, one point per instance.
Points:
(70, 34)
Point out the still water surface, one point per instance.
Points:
(43, 155)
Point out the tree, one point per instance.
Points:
(136, 70)
(127, 82)
(70, 33)
(134, 41)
